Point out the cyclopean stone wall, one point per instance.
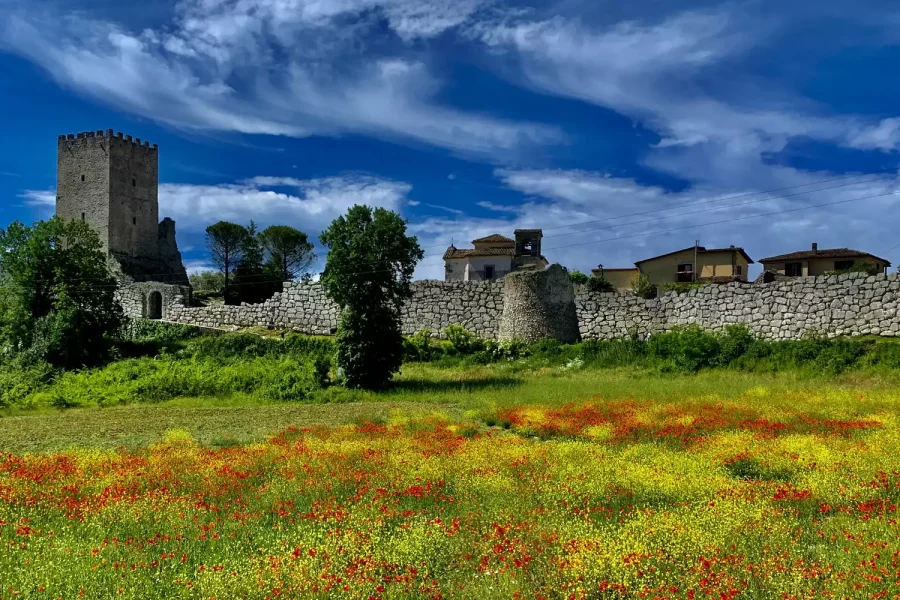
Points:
(850, 304)
(304, 307)
(853, 304)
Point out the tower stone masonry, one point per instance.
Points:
(111, 181)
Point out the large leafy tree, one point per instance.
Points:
(290, 251)
(367, 273)
(58, 299)
(252, 281)
(227, 243)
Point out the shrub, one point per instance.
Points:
(600, 285)
(418, 347)
(578, 278)
(642, 287)
(734, 342)
(462, 340)
(867, 267)
(689, 347)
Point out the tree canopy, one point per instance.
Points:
(290, 251)
(58, 299)
(227, 243)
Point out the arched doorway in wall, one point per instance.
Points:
(154, 305)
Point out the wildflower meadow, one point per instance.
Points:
(788, 495)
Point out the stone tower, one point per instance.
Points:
(111, 181)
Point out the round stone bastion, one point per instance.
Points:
(538, 305)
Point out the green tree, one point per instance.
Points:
(578, 278)
(207, 281)
(58, 301)
(367, 274)
(226, 242)
(252, 281)
(290, 251)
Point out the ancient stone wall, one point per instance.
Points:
(304, 307)
(853, 304)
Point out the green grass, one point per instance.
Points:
(421, 389)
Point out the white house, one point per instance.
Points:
(494, 256)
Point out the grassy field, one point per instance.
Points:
(482, 482)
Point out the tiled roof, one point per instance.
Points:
(826, 253)
(466, 253)
(493, 238)
(703, 250)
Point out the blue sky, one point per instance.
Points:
(625, 130)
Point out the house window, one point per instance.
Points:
(133, 182)
(82, 177)
(793, 269)
(738, 270)
(843, 265)
(82, 216)
(489, 272)
(685, 272)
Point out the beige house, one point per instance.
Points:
(813, 262)
(494, 256)
(690, 265)
(697, 264)
(621, 279)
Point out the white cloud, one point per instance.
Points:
(591, 218)
(198, 266)
(279, 67)
(39, 198)
(309, 204)
(884, 136)
(658, 73)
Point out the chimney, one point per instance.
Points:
(815, 248)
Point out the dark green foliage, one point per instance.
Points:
(689, 347)
(226, 243)
(58, 302)
(290, 252)
(419, 347)
(187, 365)
(253, 282)
(369, 346)
(578, 278)
(367, 273)
(751, 469)
(866, 267)
(211, 282)
(642, 287)
(600, 284)
(462, 340)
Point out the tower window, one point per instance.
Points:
(134, 220)
(82, 177)
(82, 216)
(133, 183)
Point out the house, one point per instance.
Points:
(697, 264)
(495, 256)
(621, 279)
(813, 262)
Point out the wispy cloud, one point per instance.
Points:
(214, 67)
(39, 198)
